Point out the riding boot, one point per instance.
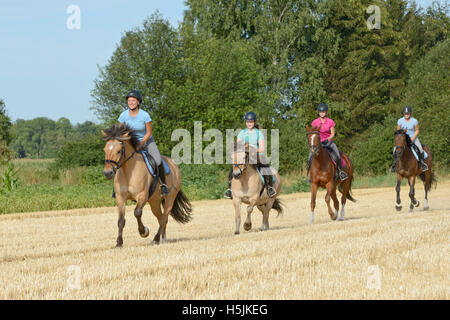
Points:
(162, 179)
(113, 194)
(268, 181)
(422, 163)
(342, 174)
(228, 194)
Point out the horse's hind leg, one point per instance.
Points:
(157, 212)
(265, 210)
(330, 186)
(427, 185)
(335, 202)
(168, 205)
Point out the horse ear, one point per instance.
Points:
(104, 135)
(404, 131)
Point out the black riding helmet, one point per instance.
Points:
(407, 109)
(135, 94)
(322, 107)
(250, 116)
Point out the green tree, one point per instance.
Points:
(5, 133)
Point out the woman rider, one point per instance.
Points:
(412, 130)
(139, 120)
(253, 137)
(327, 133)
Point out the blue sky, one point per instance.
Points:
(48, 70)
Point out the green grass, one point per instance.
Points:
(42, 188)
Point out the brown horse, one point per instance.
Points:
(133, 181)
(323, 174)
(247, 187)
(407, 167)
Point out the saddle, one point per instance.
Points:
(333, 158)
(153, 169)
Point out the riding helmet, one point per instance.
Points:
(135, 94)
(250, 116)
(407, 109)
(322, 107)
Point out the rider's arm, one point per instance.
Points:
(148, 127)
(333, 133)
(416, 133)
(261, 146)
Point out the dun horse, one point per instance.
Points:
(133, 181)
(323, 174)
(247, 187)
(407, 167)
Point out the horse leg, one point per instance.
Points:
(332, 214)
(237, 210)
(168, 205)
(265, 209)
(156, 209)
(414, 202)
(143, 230)
(248, 221)
(335, 202)
(314, 188)
(398, 205)
(427, 185)
(345, 192)
(121, 221)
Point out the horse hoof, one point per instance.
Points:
(417, 204)
(118, 246)
(426, 208)
(146, 233)
(341, 219)
(398, 208)
(236, 232)
(247, 226)
(335, 216)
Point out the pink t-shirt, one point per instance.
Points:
(325, 130)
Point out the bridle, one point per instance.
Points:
(314, 149)
(401, 148)
(241, 171)
(116, 165)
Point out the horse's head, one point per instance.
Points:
(114, 149)
(400, 142)
(313, 135)
(243, 155)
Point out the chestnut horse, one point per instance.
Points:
(133, 180)
(323, 174)
(247, 187)
(408, 167)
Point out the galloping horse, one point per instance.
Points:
(323, 174)
(407, 167)
(133, 181)
(247, 187)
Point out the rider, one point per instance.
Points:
(327, 133)
(253, 137)
(139, 120)
(412, 130)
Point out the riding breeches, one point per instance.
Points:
(152, 149)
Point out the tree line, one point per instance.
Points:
(280, 59)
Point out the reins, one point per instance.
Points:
(117, 165)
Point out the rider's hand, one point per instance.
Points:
(140, 146)
(325, 142)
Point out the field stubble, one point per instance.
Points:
(376, 253)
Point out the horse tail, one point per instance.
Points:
(182, 209)
(349, 193)
(278, 206)
(430, 183)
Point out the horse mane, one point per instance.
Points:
(120, 132)
(402, 132)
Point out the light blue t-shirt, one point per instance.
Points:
(252, 137)
(136, 123)
(408, 125)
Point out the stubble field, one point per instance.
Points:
(376, 253)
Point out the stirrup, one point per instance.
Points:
(271, 192)
(164, 189)
(228, 194)
(343, 175)
(393, 169)
(424, 167)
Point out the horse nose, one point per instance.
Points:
(237, 175)
(108, 174)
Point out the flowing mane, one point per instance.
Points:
(120, 132)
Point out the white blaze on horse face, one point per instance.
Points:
(312, 139)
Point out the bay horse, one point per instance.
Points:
(247, 187)
(132, 181)
(323, 174)
(408, 167)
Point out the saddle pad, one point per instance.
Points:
(261, 176)
(425, 154)
(150, 168)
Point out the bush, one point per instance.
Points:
(84, 153)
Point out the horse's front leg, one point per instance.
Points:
(330, 186)
(121, 221)
(248, 221)
(314, 187)
(414, 202)
(141, 199)
(398, 205)
(237, 211)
